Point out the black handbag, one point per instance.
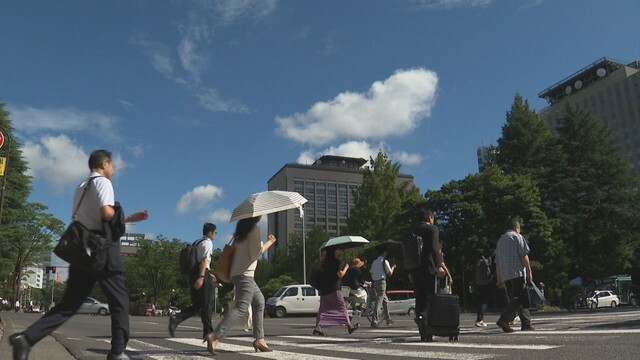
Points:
(81, 247)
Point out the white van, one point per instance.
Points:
(293, 299)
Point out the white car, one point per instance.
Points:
(93, 306)
(402, 302)
(293, 299)
(602, 298)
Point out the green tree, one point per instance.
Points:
(314, 238)
(28, 237)
(154, 268)
(15, 195)
(472, 213)
(383, 208)
(593, 197)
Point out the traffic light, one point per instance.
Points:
(52, 269)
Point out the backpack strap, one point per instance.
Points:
(84, 192)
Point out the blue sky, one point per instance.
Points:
(203, 101)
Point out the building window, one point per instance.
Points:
(342, 200)
(321, 198)
(298, 226)
(297, 189)
(344, 213)
(321, 220)
(331, 192)
(331, 199)
(310, 183)
(332, 213)
(320, 185)
(332, 185)
(298, 182)
(332, 206)
(342, 186)
(322, 212)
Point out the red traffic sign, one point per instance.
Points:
(1, 139)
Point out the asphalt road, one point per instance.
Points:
(603, 334)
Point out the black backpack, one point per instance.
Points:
(483, 271)
(188, 256)
(412, 249)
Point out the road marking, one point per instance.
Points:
(413, 341)
(247, 351)
(579, 332)
(395, 352)
(482, 346)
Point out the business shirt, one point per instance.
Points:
(509, 252)
(380, 269)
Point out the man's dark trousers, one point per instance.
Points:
(518, 302)
(201, 301)
(423, 289)
(79, 286)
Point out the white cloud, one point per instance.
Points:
(127, 105)
(198, 198)
(391, 107)
(31, 120)
(329, 45)
(219, 216)
(447, 4)
(230, 11)
(530, 4)
(60, 161)
(360, 149)
(186, 65)
(406, 158)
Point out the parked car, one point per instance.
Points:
(293, 299)
(402, 302)
(93, 306)
(601, 298)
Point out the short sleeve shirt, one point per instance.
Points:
(509, 252)
(100, 193)
(380, 268)
(204, 250)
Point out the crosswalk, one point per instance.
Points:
(391, 343)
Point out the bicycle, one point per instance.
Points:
(360, 306)
(576, 299)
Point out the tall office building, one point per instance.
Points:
(610, 90)
(328, 185)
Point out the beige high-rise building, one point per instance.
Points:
(328, 185)
(610, 90)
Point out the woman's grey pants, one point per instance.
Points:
(247, 292)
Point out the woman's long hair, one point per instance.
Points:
(243, 228)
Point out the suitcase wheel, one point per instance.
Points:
(453, 338)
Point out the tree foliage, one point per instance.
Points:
(472, 213)
(383, 208)
(593, 197)
(154, 268)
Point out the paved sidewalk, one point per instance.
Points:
(47, 349)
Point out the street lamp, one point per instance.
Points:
(4, 166)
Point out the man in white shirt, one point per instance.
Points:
(202, 284)
(98, 211)
(380, 272)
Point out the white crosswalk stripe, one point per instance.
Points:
(390, 342)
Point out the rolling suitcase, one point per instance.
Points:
(443, 316)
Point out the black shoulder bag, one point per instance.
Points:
(83, 248)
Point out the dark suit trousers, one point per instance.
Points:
(201, 301)
(79, 286)
(423, 289)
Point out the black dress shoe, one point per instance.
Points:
(173, 324)
(121, 356)
(319, 333)
(20, 345)
(353, 328)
